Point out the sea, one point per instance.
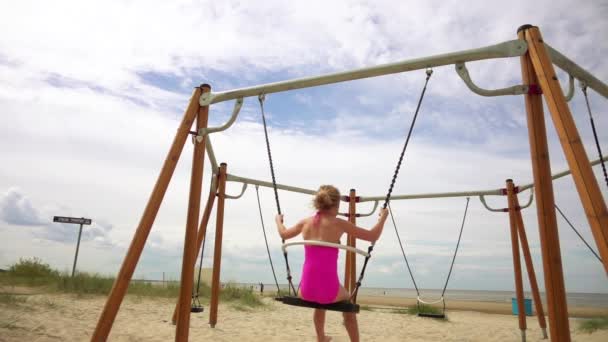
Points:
(574, 299)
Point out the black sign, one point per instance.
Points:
(76, 220)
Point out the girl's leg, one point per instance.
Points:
(350, 318)
(319, 319)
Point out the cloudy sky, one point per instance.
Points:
(91, 95)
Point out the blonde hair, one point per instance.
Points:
(327, 197)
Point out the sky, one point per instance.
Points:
(91, 95)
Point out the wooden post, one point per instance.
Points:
(538, 304)
(519, 285)
(352, 241)
(108, 315)
(582, 173)
(202, 231)
(217, 253)
(547, 222)
(194, 206)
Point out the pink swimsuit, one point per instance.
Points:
(320, 282)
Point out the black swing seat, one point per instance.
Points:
(197, 309)
(343, 306)
(431, 315)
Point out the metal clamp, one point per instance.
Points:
(462, 71)
(239, 195)
(502, 210)
(235, 113)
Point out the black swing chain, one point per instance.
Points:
(257, 193)
(429, 72)
(597, 142)
(261, 98)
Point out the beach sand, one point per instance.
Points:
(61, 317)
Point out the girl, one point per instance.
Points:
(320, 281)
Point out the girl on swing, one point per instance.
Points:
(320, 281)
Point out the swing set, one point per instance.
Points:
(539, 81)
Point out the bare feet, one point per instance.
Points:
(326, 338)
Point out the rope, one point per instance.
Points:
(429, 72)
(274, 182)
(403, 251)
(597, 141)
(577, 233)
(261, 98)
(464, 217)
(257, 193)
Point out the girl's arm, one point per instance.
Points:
(361, 233)
(288, 233)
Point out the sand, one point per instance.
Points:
(53, 317)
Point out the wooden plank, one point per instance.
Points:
(217, 253)
(119, 289)
(547, 221)
(582, 173)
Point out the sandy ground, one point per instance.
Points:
(45, 317)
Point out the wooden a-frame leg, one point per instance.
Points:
(557, 308)
(202, 230)
(525, 247)
(119, 289)
(519, 287)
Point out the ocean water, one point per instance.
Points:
(597, 300)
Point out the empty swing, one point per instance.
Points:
(292, 297)
(419, 301)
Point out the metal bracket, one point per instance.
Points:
(235, 113)
(239, 195)
(363, 215)
(206, 98)
(463, 72)
(502, 210)
(570, 94)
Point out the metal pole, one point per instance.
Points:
(77, 248)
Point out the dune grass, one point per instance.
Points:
(35, 273)
(591, 325)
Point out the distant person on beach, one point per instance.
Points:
(261, 288)
(319, 282)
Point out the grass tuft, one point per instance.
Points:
(244, 296)
(591, 325)
(11, 300)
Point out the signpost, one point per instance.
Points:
(74, 220)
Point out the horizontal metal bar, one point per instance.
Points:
(506, 49)
(561, 174)
(232, 178)
(496, 192)
(577, 72)
(463, 72)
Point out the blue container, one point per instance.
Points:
(527, 306)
